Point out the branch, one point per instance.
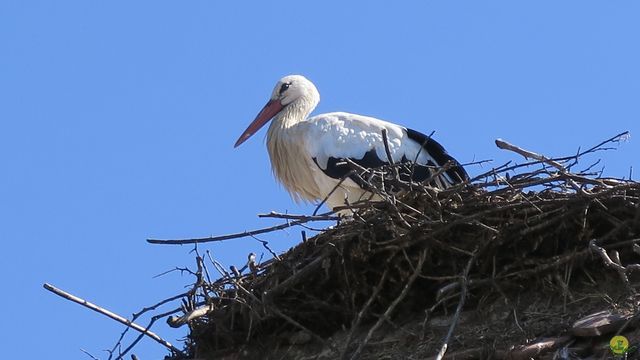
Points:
(323, 217)
(336, 187)
(113, 316)
(617, 138)
(615, 263)
(464, 281)
(555, 162)
(89, 354)
(140, 313)
(387, 149)
(178, 321)
(293, 279)
(365, 307)
(403, 294)
(242, 234)
(531, 155)
(528, 154)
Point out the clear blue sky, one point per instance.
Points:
(117, 123)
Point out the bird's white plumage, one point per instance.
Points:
(300, 148)
(345, 135)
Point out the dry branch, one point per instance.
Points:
(464, 281)
(302, 220)
(387, 313)
(113, 316)
(529, 154)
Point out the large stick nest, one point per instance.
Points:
(499, 267)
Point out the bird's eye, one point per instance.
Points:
(284, 87)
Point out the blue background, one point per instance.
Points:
(117, 123)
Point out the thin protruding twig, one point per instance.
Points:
(387, 149)
(277, 215)
(139, 337)
(140, 313)
(113, 316)
(336, 187)
(464, 281)
(265, 244)
(616, 138)
(531, 155)
(528, 154)
(89, 354)
(237, 235)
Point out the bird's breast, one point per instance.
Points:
(291, 162)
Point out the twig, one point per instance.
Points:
(88, 354)
(361, 313)
(140, 313)
(176, 322)
(113, 316)
(344, 178)
(286, 317)
(614, 264)
(464, 280)
(403, 294)
(528, 154)
(265, 244)
(151, 322)
(293, 279)
(531, 155)
(387, 149)
(419, 152)
(276, 215)
(616, 138)
(236, 235)
(473, 353)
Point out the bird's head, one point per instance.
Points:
(293, 87)
(289, 91)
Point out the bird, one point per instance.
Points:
(308, 154)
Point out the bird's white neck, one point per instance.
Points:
(289, 160)
(293, 113)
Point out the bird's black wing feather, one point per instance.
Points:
(457, 173)
(338, 168)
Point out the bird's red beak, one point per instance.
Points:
(268, 111)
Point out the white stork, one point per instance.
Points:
(308, 154)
